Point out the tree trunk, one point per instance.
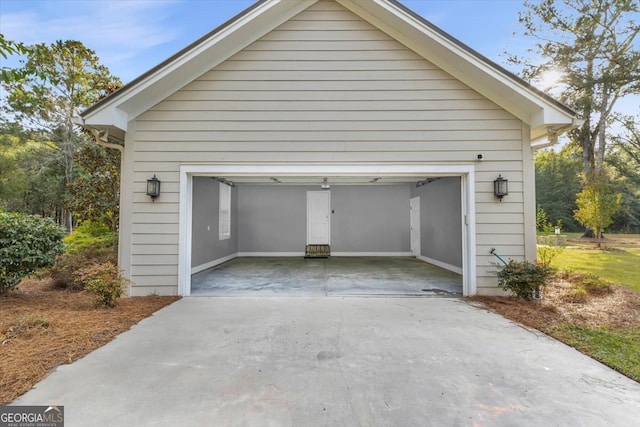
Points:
(602, 129)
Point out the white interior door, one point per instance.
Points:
(414, 223)
(318, 217)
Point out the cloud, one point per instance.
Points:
(116, 30)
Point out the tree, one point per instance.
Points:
(624, 161)
(557, 183)
(95, 192)
(59, 81)
(30, 172)
(597, 204)
(594, 44)
(628, 141)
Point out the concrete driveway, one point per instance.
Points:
(336, 362)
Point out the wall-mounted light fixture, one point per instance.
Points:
(500, 187)
(325, 185)
(153, 188)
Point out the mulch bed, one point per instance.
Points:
(618, 308)
(42, 327)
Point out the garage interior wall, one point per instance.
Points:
(370, 219)
(364, 219)
(273, 219)
(440, 220)
(206, 245)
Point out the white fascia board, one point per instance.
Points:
(201, 58)
(108, 117)
(304, 169)
(452, 58)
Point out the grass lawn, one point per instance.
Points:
(615, 347)
(621, 267)
(620, 264)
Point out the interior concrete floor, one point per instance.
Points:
(334, 276)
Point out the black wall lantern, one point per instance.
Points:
(500, 187)
(153, 188)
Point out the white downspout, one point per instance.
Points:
(104, 142)
(552, 134)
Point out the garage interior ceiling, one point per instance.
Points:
(329, 179)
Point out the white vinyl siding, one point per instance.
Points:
(326, 87)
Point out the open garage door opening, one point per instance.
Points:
(384, 234)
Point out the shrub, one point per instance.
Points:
(522, 278)
(547, 250)
(90, 243)
(64, 272)
(595, 285)
(27, 243)
(90, 235)
(577, 294)
(591, 283)
(104, 282)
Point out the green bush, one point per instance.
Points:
(104, 282)
(27, 243)
(522, 278)
(547, 250)
(90, 243)
(90, 235)
(64, 271)
(577, 294)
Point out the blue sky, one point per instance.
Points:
(131, 36)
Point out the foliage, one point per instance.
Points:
(628, 140)
(542, 221)
(27, 244)
(69, 79)
(593, 44)
(60, 80)
(547, 250)
(576, 295)
(624, 158)
(104, 282)
(90, 235)
(595, 285)
(9, 48)
(91, 243)
(557, 183)
(596, 205)
(30, 172)
(618, 348)
(95, 192)
(522, 278)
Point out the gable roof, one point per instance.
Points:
(543, 114)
